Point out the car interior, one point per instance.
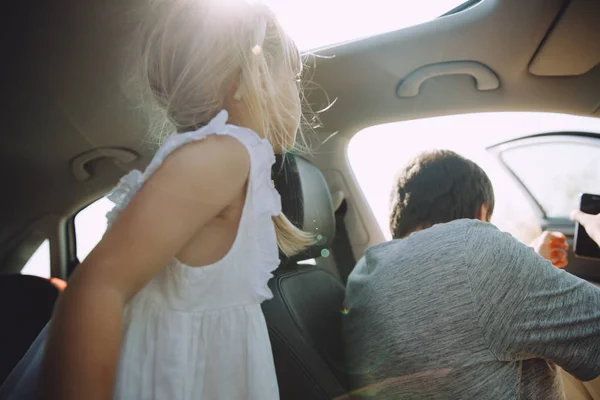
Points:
(72, 129)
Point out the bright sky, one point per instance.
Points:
(317, 23)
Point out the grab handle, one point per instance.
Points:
(79, 165)
(484, 77)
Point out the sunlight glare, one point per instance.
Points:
(317, 23)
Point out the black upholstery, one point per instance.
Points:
(27, 304)
(304, 316)
(306, 201)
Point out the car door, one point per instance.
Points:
(553, 170)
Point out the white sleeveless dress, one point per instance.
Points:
(199, 333)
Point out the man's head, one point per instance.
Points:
(439, 186)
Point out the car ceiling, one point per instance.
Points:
(67, 87)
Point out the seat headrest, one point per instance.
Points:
(306, 201)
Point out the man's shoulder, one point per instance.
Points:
(479, 235)
(471, 226)
(453, 233)
(435, 235)
(456, 242)
(447, 238)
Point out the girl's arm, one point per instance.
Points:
(192, 187)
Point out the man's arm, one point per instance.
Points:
(527, 308)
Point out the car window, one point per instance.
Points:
(561, 172)
(353, 19)
(90, 225)
(39, 263)
(377, 153)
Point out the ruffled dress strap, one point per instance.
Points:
(123, 193)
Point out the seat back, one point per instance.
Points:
(304, 316)
(26, 305)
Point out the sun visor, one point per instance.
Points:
(572, 47)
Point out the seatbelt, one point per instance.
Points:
(341, 247)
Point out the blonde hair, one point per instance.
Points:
(195, 51)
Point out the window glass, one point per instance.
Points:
(557, 173)
(39, 263)
(377, 153)
(90, 225)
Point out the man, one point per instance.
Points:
(456, 309)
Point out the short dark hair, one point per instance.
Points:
(436, 187)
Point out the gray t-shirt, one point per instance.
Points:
(464, 311)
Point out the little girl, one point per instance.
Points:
(167, 306)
